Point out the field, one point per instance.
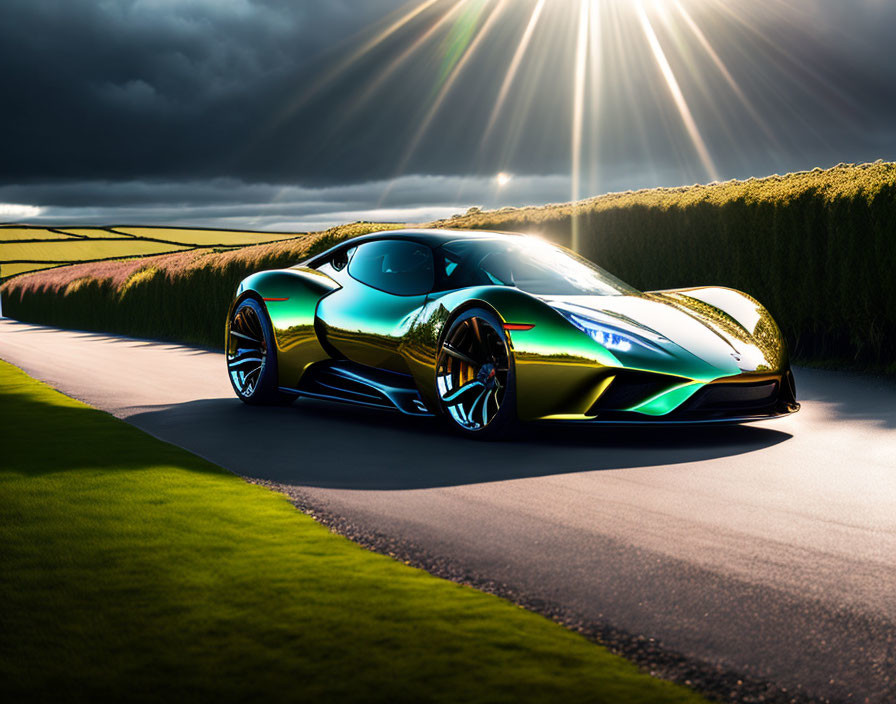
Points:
(818, 248)
(131, 570)
(182, 296)
(24, 249)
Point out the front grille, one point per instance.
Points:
(734, 397)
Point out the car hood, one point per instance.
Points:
(684, 325)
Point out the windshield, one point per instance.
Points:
(526, 263)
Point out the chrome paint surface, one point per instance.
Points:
(298, 346)
(369, 326)
(701, 335)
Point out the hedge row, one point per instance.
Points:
(817, 248)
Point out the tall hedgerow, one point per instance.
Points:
(818, 248)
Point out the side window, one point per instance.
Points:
(394, 266)
(340, 259)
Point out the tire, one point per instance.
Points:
(475, 376)
(252, 355)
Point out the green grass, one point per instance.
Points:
(25, 249)
(131, 570)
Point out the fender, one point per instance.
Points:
(556, 366)
(740, 318)
(290, 297)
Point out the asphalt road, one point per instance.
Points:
(767, 550)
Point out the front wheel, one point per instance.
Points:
(252, 355)
(475, 378)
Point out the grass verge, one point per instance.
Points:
(133, 570)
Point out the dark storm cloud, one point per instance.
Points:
(231, 203)
(172, 96)
(120, 88)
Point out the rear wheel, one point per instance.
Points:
(252, 355)
(475, 378)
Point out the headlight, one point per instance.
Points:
(610, 337)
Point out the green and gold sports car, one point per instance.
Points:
(488, 330)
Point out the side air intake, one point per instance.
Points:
(631, 389)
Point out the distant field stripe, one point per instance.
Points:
(31, 234)
(9, 269)
(66, 234)
(83, 250)
(76, 238)
(198, 236)
(94, 233)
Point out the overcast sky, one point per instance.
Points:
(298, 114)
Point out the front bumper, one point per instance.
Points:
(745, 398)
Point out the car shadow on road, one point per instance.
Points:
(321, 444)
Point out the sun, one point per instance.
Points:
(502, 179)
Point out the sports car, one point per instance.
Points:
(489, 329)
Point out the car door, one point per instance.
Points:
(386, 288)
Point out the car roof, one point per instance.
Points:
(430, 237)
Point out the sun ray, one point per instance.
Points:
(578, 109)
(446, 87)
(514, 66)
(595, 68)
(375, 85)
(677, 95)
(353, 58)
(528, 86)
(723, 69)
(622, 67)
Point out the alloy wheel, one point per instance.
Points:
(246, 350)
(472, 373)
